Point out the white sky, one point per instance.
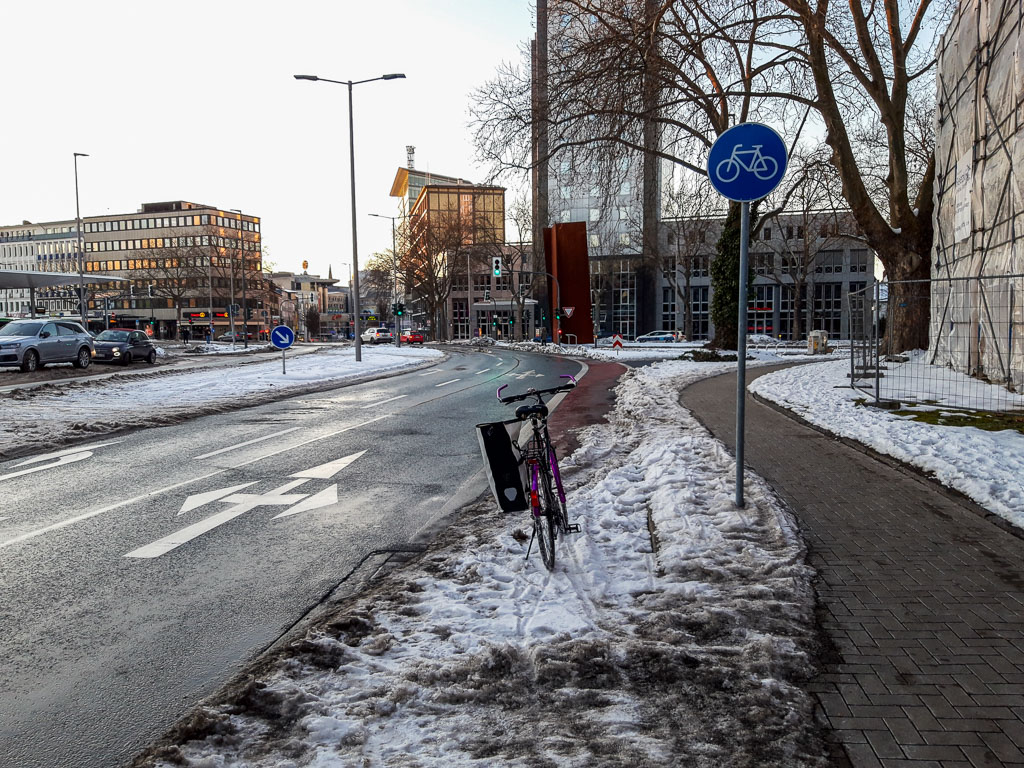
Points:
(196, 101)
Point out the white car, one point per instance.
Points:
(377, 336)
(662, 337)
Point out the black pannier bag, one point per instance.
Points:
(504, 473)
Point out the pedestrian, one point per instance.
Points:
(208, 335)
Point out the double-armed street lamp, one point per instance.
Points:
(81, 254)
(352, 167)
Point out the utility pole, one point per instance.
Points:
(81, 253)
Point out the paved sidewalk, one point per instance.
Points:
(922, 601)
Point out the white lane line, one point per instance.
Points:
(381, 402)
(68, 459)
(311, 440)
(325, 498)
(197, 500)
(485, 370)
(429, 373)
(443, 383)
(87, 515)
(247, 442)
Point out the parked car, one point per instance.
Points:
(659, 337)
(412, 337)
(31, 344)
(5, 320)
(236, 336)
(377, 336)
(124, 345)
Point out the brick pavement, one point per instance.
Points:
(920, 600)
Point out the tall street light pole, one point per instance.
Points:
(241, 256)
(81, 254)
(394, 261)
(352, 167)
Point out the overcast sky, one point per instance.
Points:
(196, 101)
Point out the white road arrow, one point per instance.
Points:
(330, 469)
(197, 500)
(69, 456)
(243, 502)
(325, 498)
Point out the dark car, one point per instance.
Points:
(31, 344)
(124, 345)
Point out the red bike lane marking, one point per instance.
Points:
(593, 397)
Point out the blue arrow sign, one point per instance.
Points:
(282, 337)
(747, 162)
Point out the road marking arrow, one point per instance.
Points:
(330, 469)
(69, 456)
(197, 500)
(244, 502)
(325, 498)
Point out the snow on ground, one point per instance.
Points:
(55, 416)
(986, 466)
(675, 629)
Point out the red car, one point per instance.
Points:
(412, 337)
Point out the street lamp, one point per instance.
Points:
(352, 167)
(394, 257)
(81, 254)
(245, 307)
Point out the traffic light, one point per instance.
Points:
(400, 309)
(496, 266)
(149, 288)
(131, 290)
(487, 295)
(558, 313)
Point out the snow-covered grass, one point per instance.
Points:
(675, 629)
(63, 413)
(986, 466)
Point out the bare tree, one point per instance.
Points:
(378, 281)
(176, 272)
(693, 210)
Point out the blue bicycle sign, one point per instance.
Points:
(747, 162)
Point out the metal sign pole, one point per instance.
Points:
(283, 371)
(741, 349)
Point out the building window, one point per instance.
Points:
(761, 310)
(828, 308)
(859, 261)
(595, 241)
(700, 308)
(481, 283)
(828, 262)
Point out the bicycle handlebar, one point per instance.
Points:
(537, 392)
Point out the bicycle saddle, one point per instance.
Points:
(526, 411)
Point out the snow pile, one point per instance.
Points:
(59, 415)
(986, 466)
(675, 630)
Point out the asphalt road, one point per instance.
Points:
(137, 579)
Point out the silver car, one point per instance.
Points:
(377, 336)
(31, 344)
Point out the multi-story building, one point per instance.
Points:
(301, 293)
(50, 247)
(452, 229)
(185, 264)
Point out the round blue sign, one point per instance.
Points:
(747, 162)
(282, 337)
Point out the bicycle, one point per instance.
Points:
(546, 493)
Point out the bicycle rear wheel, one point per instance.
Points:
(544, 521)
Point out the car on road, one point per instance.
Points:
(236, 336)
(377, 336)
(31, 344)
(5, 320)
(658, 337)
(124, 345)
(412, 337)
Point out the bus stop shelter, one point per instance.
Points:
(25, 278)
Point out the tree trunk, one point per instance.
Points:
(909, 306)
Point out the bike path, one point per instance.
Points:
(593, 397)
(921, 601)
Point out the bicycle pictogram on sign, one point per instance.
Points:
(758, 164)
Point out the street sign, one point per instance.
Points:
(747, 162)
(568, 311)
(282, 337)
(616, 341)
